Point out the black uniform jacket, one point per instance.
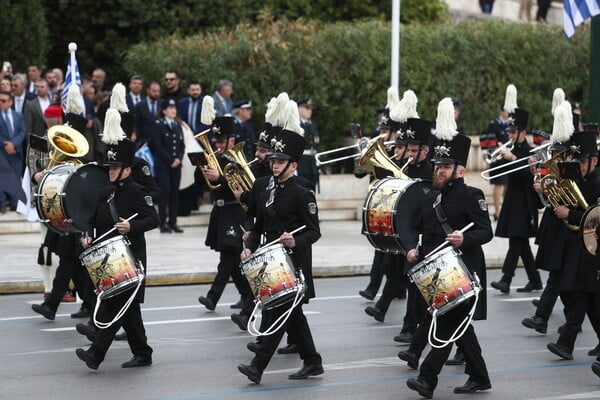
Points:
(462, 204)
(227, 216)
(167, 144)
(285, 207)
(141, 173)
(130, 198)
(519, 213)
(580, 272)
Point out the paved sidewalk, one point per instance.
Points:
(183, 258)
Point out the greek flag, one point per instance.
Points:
(577, 11)
(72, 76)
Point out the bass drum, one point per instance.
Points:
(390, 211)
(67, 195)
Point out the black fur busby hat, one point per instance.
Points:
(223, 127)
(417, 131)
(120, 150)
(583, 144)
(289, 143)
(450, 147)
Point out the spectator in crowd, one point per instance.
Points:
(5, 84)
(50, 77)
(222, 97)
(136, 84)
(98, 78)
(542, 11)
(244, 130)
(174, 91)
(525, 10)
(60, 82)
(486, 6)
(190, 107)
(34, 108)
(20, 96)
(34, 74)
(146, 112)
(12, 135)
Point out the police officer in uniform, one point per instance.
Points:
(445, 211)
(224, 228)
(285, 207)
(168, 149)
(116, 203)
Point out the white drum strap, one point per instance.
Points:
(460, 330)
(123, 310)
(279, 322)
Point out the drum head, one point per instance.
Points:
(82, 190)
(589, 230)
(408, 210)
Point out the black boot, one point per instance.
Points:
(503, 284)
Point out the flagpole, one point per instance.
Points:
(395, 67)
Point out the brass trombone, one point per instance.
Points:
(362, 145)
(540, 152)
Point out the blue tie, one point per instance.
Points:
(153, 108)
(192, 113)
(9, 124)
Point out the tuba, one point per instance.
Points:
(65, 145)
(237, 172)
(211, 157)
(376, 156)
(561, 192)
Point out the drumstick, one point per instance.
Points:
(243, 243)
(445, 243)
(113, 228)
(277, 240)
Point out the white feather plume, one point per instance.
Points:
(406, 107)
(279, 109)
(563, 123)
(445, 125)
(393, 98)
(292, 118)
(207, 115)
(117, 98)
(557, 98)
(74, 101)
(269, 113)
(112, 133)
(510, 100)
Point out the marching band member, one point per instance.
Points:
(284, 207)
(446, 210)
(224, 228)
(519, 219)
(116, 203)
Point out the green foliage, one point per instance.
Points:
(345, 67)
(423, 11)
(24, 40)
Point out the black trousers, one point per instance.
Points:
(434, 361)
(229, 266)
(376, 274)
(69, 267)
(131, 322)
(419, 341)
(577, 304)
(519, 247)
(414, 310)
(549, 295)
(297, 324)
(543, 6)
(395, 281)
(168, 181)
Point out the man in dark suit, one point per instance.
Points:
(173, 90)
(20, 95)
(136, 84)
(146, 112)
(244, 130)
(34, 74)
(12, 135)
(189, 108)
(34, 109)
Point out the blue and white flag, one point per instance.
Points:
(72, 76)
(577, 11)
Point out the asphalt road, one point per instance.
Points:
(196, 352)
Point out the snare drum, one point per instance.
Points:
(112, 267)
(444, 281)
(67, 195)
(389, 212)
(272, 277)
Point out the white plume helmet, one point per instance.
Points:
(279, 116)
(74, 101)
(292, 118)
(207, 115)
(445, 125)
(563, 123)
(510, 100)
(112, 133)
(557, 98)
(269, 111)
(406, 107)
(117, 98)
(393, 98)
